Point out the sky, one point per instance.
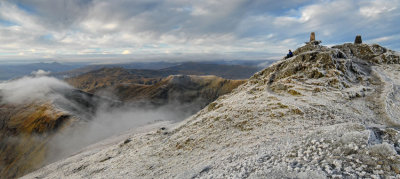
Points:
(162, 30)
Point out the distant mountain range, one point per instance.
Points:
(221, 70)
(10, 71)
(135, 65)
(225, 69)
(66, 70)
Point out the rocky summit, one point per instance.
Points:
(326, 112)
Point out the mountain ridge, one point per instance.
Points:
(323, 113)
(252, 66)
(104, 77)
(156, 86)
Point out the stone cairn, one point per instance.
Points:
(312, 39)
(358, 40)
(312, 36)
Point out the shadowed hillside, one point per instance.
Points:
(27, 125)
(238, 69)
(24, 133)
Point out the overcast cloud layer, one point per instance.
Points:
(74, 30)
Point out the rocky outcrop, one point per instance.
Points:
(324, 113)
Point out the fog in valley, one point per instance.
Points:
(104, 118)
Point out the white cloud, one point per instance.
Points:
(374, 9)
(381, 39)
(40, 72)
(126, 52)
(30, 89)
(385, 39)
(85, 28)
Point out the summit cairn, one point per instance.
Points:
(358, 40)
(312, 36)
(312, 39)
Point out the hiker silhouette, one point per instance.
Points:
(290, 54)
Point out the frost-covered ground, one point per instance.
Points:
(324, 113)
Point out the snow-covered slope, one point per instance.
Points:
(326, 112)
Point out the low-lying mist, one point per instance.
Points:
(113, 121)
(31, 89)
(108, 119)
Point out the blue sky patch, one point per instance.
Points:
(26, 8)
(7, 23)
(47, 37)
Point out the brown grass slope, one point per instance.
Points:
(24, 132)
(178, 88)
(26, 129)
(156, 86)
(107, 77)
